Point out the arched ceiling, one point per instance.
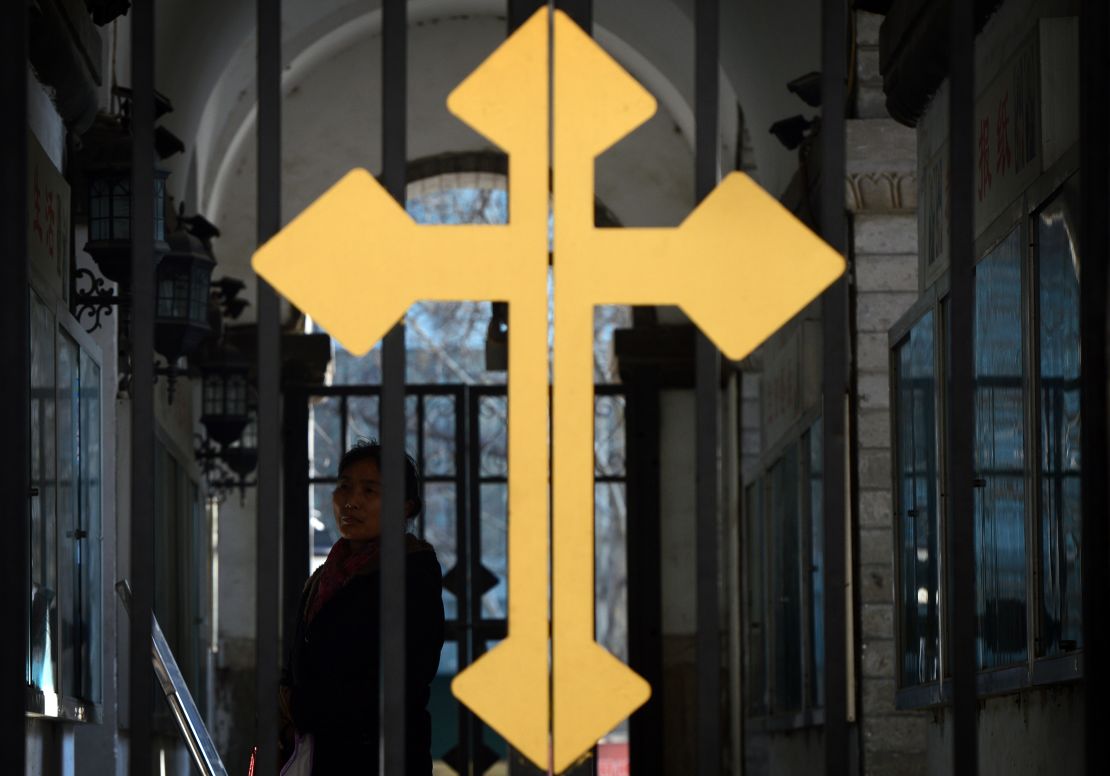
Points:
(205, 55)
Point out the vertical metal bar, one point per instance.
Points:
(421, 399)
(269, 522)
(708, 380)
(581, 11)
(345, 422)
(394, 154)
(961, 403)
(474, 563)
(519, 12)
(295, 549)
(1094, 163)
(466, 478)
(835, 377)
(645, 643)
(142, 384)
(15, 481)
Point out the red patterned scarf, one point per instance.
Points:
(342, 565)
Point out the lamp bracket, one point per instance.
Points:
(94, 300)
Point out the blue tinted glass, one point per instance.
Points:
(1058, 326)
(817, 566)
(918, 526)
(786, 533)
(756, 600)
(42, 623)
(89, 558)
(999, 457)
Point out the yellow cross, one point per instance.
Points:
(740, 266)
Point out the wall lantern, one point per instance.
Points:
(224, 405)
(241, 456)
(228, 450)
(106, 163)
(183, 279)
(229, 466)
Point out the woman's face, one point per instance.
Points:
(357, 502)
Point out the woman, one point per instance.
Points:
(330, 684)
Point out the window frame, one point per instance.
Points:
(808, 715)
(1036, 670)
(930, 301)
(188, 627)
(60, 706)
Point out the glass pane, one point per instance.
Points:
(364, 422)
(492, 441)
(69, 466)
(607, 319)
(439, 436)
(1061, 526)
(445, 342)
(165, 297)
(611, 567)
(324, 443)
(357, 370)
(918, 487)
(817, 565)
(495, 547)
(89, 557)
(440, 521)
(159, 208)
(755, 599)
(42, 633)
(322, 521)
(181, 296)
(443, 707)
(1000, 457)
(609, 443)
(786, 534)
(167, 496)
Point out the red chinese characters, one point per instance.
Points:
(51, 222)
(1005, 156)
(36, 206)
(984, 157)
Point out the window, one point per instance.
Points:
(786, 529)
(756, 602)
(784, 585)
(181, 546)
(1027, 512)
(815, 452)
(64, 627)
(915, 419)
(1058, 414)
(1000, 574)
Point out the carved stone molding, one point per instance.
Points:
(870, 191)
(881, 166)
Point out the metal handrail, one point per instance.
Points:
(185, 712)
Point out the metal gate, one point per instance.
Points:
(457, 435)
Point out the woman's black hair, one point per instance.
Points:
(371, 450)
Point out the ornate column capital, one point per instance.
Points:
(881, 166)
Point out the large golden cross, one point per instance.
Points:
(740, 266)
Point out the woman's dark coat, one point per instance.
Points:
(332, 670)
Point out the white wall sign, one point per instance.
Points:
(1025, 119)
(48, 218)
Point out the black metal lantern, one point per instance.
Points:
(184, 275)
(241, 456)
(225, 407)
(107, 170)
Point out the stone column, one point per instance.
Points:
(882, 198)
